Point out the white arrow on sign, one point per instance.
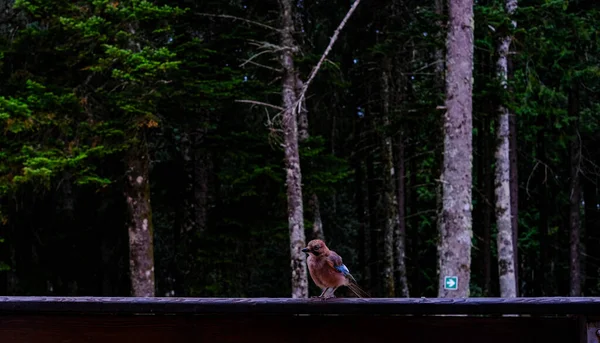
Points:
(451, 283)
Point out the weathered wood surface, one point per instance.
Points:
(283, 329)
(373, 306)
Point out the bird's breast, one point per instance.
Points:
(322, 273)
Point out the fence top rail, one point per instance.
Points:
(347, 306)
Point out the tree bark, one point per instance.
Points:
(543, 287)
(317, 229)
(416, 239)
(592, 224)
(141, 242)
(514, 181)
(12, 276)
(439, 52)
(363, 233)
(388, 184)
(455, 229)
(202, 166)
(575, 199)
(487, 212)
(400, 240)
(505, 246)
(374, 254)
(303, 113)
(196, 166)
(303, 135)
(292, 157)
(514, 192)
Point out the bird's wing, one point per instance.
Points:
(335, 261)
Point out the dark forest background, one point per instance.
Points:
(89, 88)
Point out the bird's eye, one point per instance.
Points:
(317, 247)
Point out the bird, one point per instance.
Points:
(328, 271)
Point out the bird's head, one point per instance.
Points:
(316, 247)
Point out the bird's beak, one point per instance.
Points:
(305, 250)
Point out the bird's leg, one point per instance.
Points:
(331, 294)
(320, 296)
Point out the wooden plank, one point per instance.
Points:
(283, 329)
(495, 306)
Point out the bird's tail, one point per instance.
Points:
(355, 288)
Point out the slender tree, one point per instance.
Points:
(575, 197)
(454, 249)
(389, 205)
(506, 253)
(303, 135)
(292, 157)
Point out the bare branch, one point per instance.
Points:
(261, 104)
(225, 16)
(529, 178)
(327, 50)
(253, 57)
(263, 66)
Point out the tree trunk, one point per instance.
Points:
(292, 157)
(303, 135)
(505, 246)
(514, 179)
(487, 211)
(514, 192)
(439, 52)
(363, 233)
(317, 229)
(543, 288)
(196, 166)
(303, 114)
(416, 241)
(455, 229)
(506, 270)
(400, 241)
(12, 277)
(388, 184)
(201, 174)
(575, 199)
(141, 246)
(105, 257)
(373, 224)
(592, 224)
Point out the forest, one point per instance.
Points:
(186, 148)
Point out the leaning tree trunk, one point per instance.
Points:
(506, 256)
(575, 200)
(292, 156)
(141, 246)
(456, 225)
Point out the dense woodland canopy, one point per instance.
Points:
(144, 145)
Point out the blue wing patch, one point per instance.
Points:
(342, 269)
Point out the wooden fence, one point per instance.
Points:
(265, 320)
